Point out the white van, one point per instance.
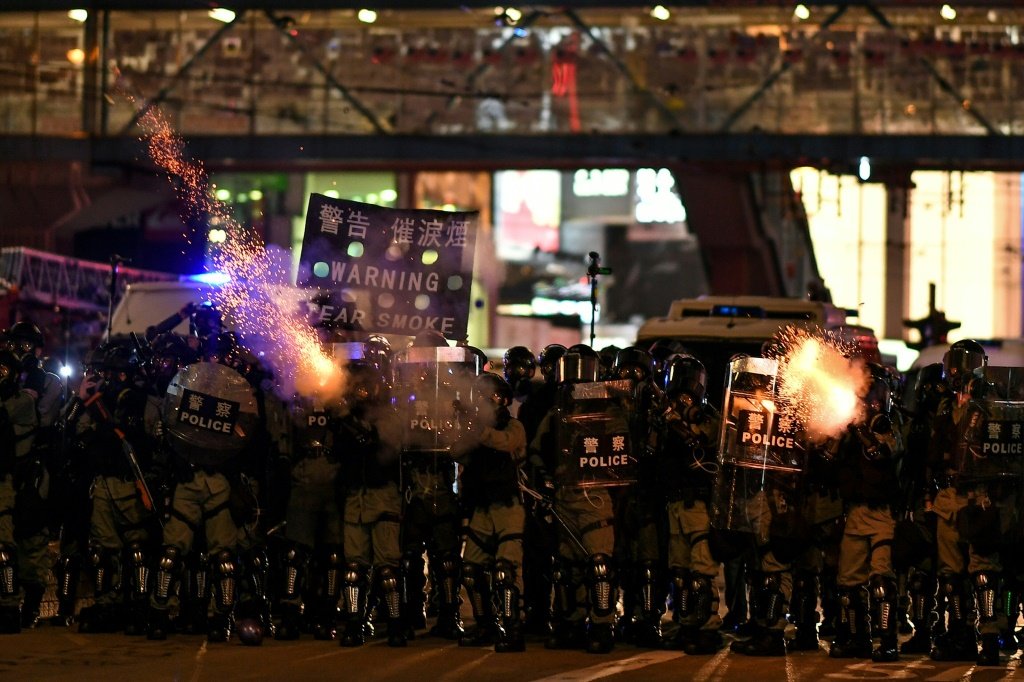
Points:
(714, 328)
(145, 304)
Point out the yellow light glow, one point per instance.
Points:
(947, 12)
(367, 16)
(801, 12)
(222, 14)
(661, 13)
(76, 56)
(78, 14)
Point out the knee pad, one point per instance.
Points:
(102, 566)
(296, 563)
(357, 578)
(884, 598)
(646, 581)
(681, 598)
(166, 573)
(562, 583)
(389, 579)
(504, 574)
(985, 587)
(478, 589)
(771, 601)
(447, 578)
(137, 562)
(8, 571)
(330, 564)
(225, 567)
(704, 597)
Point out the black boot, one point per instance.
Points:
(919, 643)
(853, 633)
(10, 620)
(291, 623)
(30, 606)
(600, 638)
(885, 604)
(960, 641)
(704, 642)
(806, 639)
(989, 654)
(768, 643)
(510, 639)
(567, 635)
(159, 624)
(219, 627)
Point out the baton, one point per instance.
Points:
(549, 503)
(140, 479)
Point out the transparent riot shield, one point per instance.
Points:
(990, 435)
(762, 457)
(431, 389)
(595, 447)
(210, 412)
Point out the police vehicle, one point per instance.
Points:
(716, 328)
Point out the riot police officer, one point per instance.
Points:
(584, 573)
(114, 417)
(431, 380)
(18, 422)
(312, 533)
(491, 449)
(210, 411)
(540, 538)
(963, 362)
(687, 430)
(868, 459)
(914, 540)
(369, 446)
(640, 511)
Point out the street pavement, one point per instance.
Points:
(57, 653)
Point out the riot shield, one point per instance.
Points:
(762, 457)
(210, 411)
(595, 447)
(990, 435)
(431, 396)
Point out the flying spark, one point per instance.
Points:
(819, 382)
(264, 309)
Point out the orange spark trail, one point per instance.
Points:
(266, 313)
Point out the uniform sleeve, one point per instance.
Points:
(511, 439)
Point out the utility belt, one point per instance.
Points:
(316, 452)
(689, 495)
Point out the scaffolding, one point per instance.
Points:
(48, 279)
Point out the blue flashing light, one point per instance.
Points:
(212, 278)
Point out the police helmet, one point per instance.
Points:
(119, 358)
(548, 359)
(492, 390)
(632, 363)
(430, 338)
(481, 359)
(365, 384)
(224, 348)
(518, 364)
(962, 360)
(607, 356)
(171, 352)
(878, 398)
(685, 375)
(579, 364)
(24, 338)
(773, 349)
(8, 374)
(931, 379)
(205, 321)
(661, 350)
